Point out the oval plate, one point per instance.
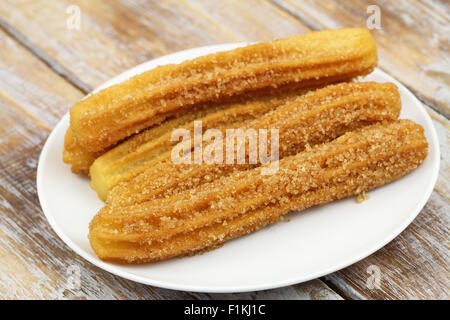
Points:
(314, 243)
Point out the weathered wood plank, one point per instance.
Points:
(116, 35)
(413, 42)
(35, 263)
(305, 291)
(442, 126)
(24, 79)
(413, 266)
(132, 32)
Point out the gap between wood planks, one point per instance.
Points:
(85, 88)
(44, 57)
(311, 289)
(315, 27)
(71, 78)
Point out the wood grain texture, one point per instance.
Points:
(414, 47)
(413, 42)
(415, 264)
(116, 35)
(36, 264)
(34, 261)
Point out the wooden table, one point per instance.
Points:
(47, 64)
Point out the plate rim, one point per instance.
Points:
(230, 289)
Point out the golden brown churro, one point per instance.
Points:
(82, 159)
(313, 118)
(317, 58)
(79, 158)
(207, 216)
(132, 156)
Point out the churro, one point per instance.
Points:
(313, 118)
(132, 156)
(79, 158)
(82, 159)
(103, 119)
(207, 216)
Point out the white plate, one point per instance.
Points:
(314, 243)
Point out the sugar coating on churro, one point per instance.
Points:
(317, 58)
(243, 202)
(134, 155)
(313, 118)
(81, 159)
(362, 197)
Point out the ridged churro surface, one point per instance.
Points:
(206, 216)
(81, 159)
(103, 119)
(313, 118)
(134, 155)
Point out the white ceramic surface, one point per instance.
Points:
(314, 243)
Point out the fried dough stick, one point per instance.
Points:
(134, 155)
(81, 159)
(313, 118)
(103, 119)
(207, 216)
